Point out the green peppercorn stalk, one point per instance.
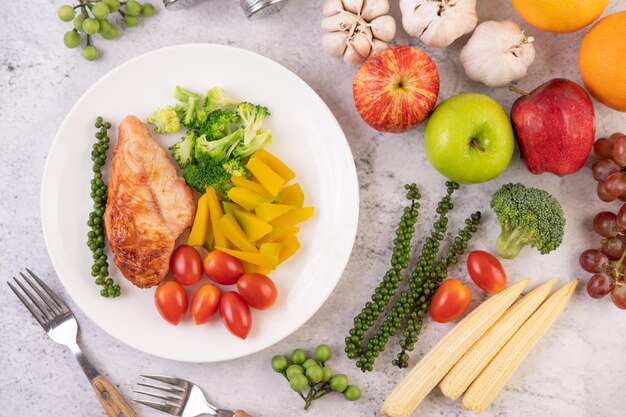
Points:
(424, 287)
(391, 280)
(95, 237)
(93, 19)
(393, 321)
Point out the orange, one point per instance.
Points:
(602, 60)
(560, 16)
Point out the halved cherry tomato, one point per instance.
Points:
(235, 314)
(486, 271)
(205, 303)
(258, 290)
(222, 268)
(449, 301)
(186, 265)
(171, 301)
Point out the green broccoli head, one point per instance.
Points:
(216, 99)
(236, 167)
(165, 120)
(217, 150)
(528, 216)
(204, 173)
(184, 95)
(219, 124)
(252, 117)
(183, 151)
(262, 138)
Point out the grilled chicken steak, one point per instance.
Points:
(148, 205)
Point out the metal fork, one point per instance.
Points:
(181, 398)
(58, 321)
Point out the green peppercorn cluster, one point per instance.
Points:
(95, 237)
(312, 373)
(413, 302)
(391, 280)
(93, 18)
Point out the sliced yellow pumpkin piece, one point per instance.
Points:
(250, 185)
(276, 164)
(294, 196)
(254, 227)
(289, 246)
(271, 239)
(209, 238)
(290, 219)
(261, 259)
(269, 211)
(229, 208)
(215, 212)
(200, 223)
(246, 198)
(231, 229)
(249, 268)
(272, 249)
(268, 178)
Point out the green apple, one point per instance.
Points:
(469, 138)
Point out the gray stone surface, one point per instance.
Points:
(577, 370)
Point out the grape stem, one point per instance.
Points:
(618, 275)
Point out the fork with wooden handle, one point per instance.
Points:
(58, 321)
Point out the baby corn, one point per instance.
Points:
(468, 368)
(493, 378)
(407, 395)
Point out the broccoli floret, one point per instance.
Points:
(183, 151)
(528, 216)
(219, 124)
(165, 120)
(252, 117)
(203, 173)
(184, 95)
(262, 138)
(235, 167)
(218, 150)
(216, 99)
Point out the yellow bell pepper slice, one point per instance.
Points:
(290, 246)
(271, 239)
(216, 213)
(261, 259)
(229, 208)
(200, 223)
(209, 238)
(290, 219)
(269, 211)
(272, 249)
(268, 178)
(276, 164)
(250, 185)
(249, 268)
(246, 198)
(253, 226)
(230, 228)
(294, 196)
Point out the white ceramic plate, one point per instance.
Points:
(306, 136)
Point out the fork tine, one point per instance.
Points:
(168, 380)
(41, 320)
(46, 313)
(174, 400)
(170, 389)
(49, 302)
(161, 406)
(64, 308)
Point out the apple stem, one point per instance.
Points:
(518, 91)
(477, 145)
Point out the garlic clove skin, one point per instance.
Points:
(351, 56)
(354, 6)
(436, 22)
(374, 8)
(383, 28)
(497, 54)
(340, 21)
(332, 7)
(362, 44)
(377, 46)
(335, 43)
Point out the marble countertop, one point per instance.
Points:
(578, 369)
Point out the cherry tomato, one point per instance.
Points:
(186, 265)
(449, 301)
(171, 301)
(205, 303)
(258, 290)
(222, 267)
(486, 271)
(235, 314)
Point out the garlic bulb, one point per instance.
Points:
(356, 29)
(438, 23)
(497, 54)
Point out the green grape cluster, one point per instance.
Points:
(95, 237)
(93, 17)
(312, 373)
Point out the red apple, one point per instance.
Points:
(396, 88)
(555, 127)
